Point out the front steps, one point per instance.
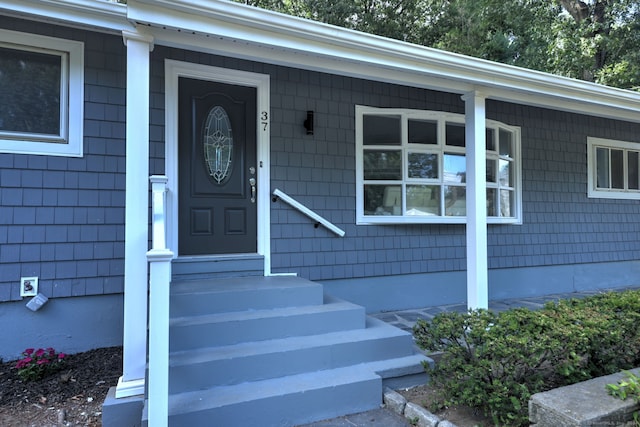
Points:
(276, 351)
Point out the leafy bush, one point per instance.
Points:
(496, 361)
(629, 387)
(36, 364)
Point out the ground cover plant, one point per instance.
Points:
(496, 361)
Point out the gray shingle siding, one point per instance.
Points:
(62, 219)
(561, 225)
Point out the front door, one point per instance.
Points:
(217, 174)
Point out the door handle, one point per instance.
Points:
(252, 182)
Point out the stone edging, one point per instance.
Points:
(416, 413)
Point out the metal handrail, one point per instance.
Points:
(308, 212)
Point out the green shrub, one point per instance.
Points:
(495, 362)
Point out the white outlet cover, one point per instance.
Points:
(33, 281)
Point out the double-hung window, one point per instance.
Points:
(614, 169)
(411, 168)
(41, 93)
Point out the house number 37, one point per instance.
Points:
(264, 119)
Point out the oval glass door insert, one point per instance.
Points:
(218, 144)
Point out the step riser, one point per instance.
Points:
(271, 351)
(226, 332)
(227, 371)
(289, 410)
(204, 298)
(210, 267)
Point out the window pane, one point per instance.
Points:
(423, 165)
(423, 200)
(506, 143)
(507, 203)
(381, 130)
(423, 132)
(382, 165)
(455, 134)
(455, 201)
(617, 171)
(633, 170)
(30, 88)
(602, 167)
(491, 143)
(491, 171)
(382, 200)
(455, 168)
(505, 173)
(491, 202)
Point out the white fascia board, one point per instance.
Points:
(268, 33)
(98, 14)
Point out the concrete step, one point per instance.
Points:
(200, 267)
(254, 361)
(221, 329)
(224, 295)
(279, 402)
(402, 372)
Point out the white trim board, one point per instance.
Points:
(276, 38)
(173, 71)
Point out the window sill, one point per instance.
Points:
(398, 220)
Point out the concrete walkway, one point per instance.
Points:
(406, 319)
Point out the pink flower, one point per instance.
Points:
(40, 352)
(42, 362)
(29, 351)
(61, 356)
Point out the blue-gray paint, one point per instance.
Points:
(61, 219)
(122, 412)
(401, 292)
(60, 215)
(69, 325)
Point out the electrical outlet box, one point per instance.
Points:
(28, 286)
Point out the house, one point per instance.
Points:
(394, 175)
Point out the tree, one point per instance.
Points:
(594, 40)
(599, 42)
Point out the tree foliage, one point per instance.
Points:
(594, 40)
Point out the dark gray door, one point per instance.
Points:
(216, 168)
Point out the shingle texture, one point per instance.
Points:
(560, 224)
(62, 219)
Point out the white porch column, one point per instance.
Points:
(477, 270)
(136, 215)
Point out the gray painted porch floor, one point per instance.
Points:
(405, 320)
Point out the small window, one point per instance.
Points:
(613, 168)
(411, 168)
(41, 81)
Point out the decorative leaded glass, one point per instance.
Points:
(218, 144)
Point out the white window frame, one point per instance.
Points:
(441, 148)
(601, 193)
(69, 141)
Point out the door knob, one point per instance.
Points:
(252, 182)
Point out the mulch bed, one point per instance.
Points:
(72, 396)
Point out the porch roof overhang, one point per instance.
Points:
(237, 30)
(97, 15)
(234, 29)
